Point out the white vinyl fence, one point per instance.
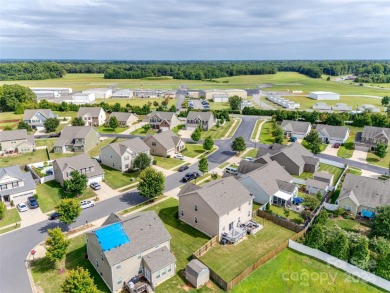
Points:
(340, 264)
(332, 163)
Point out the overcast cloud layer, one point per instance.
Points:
(196, 29)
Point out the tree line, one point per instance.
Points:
(195, 70)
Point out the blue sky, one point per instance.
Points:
(198, 29)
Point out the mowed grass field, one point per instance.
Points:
(281, 81)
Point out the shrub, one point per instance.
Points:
(154, 162)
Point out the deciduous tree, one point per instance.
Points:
(239, 144)
(69, 209)
(316, 237)
(152, 183)
(203, 165)
(113, 123)
(78, 281)
(51, 124)
(208, 143)
(24, 125)
(142, 161)
(380, 224)
(234, 102)
(78, 121)
(56, 245)
(381, 150)
(77, 183)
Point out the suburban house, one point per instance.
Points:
(121, 155)
(37, 117)
(216, 207)
(359, 194)
(162, 120)
(293, 157)
(164, 144)
(82, 163)
(135, 246)
(92, 116)
(205, 119)
(332, 134)
(125, 119)
(76, 139)
(16, 185)
(370, 137)
(298, 129)
(16, 141)
(314, 186)
(269, 183)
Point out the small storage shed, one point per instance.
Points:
(197, 273)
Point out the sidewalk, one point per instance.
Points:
(228, 133)
(257, 137)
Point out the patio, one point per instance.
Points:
(239, 232)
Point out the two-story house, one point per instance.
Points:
(76, 139)
(125, 119)
(216, 207)
(92, 116)
(371, 136)
(16, 185)
(16, 141)
(121, 155)
(164, 144)
(205, 119)
(135, 246)
(82, 163)
(37, 117)
(162, 120)
(298, 129)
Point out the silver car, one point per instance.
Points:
(22, 207)
(87, 204)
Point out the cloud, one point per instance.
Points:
(197, 29)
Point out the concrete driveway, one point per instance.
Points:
(330, 150)
(359, 156)
(106, 191)
(31, 217)
(184, 133)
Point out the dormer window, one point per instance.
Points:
(196, 208)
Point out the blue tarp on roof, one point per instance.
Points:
(367, 214)
(112, 236)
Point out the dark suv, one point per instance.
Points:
(190, 176)
(32, 202)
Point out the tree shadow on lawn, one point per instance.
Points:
(372, 160)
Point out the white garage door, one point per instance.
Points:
(21, 198)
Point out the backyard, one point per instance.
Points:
(347, 224)
(294, 272)
(23, 159)
(230, 260)
(51, 193)
(266, 134)
(141, 131)
(326, 168)
(293, 216)
(117, 179)
(105, 129)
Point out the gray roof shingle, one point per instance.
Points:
(135, 144)
(93, 111)
(168, 139)
(70, 133)
(316, 183)
(28, 114)
(13, 135)
(195, 267)
(338, 132)
(122, 116)
(158, 259)
(204, 116)
(79, 162)
(163, 115)
(14, 171)
(295, 126)
(371, 132)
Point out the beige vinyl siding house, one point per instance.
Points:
(92, 116)
(205, 119)
(82, 163)
(164, 144)
(162, 120)
(125, 119)
(216, 207)
(16, 141)
(76, 139)
(143, 250)
(121, 155)
(15, 185)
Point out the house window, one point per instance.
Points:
(140, 270)
(97, 263)
(239, 219)
(169, 268)
(126, 158)
(127, 166)
(196, 220)
(249, 214)
(182, 212)
(196, 208)
(3, 187)
(164, 271)
(158, 275)
(347, 208)
(139, 256)
(119, 280)
(118, 267)
(239, 208)
(102, 256)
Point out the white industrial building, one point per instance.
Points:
(81, 99)
(122, 94)
(100, 93)
(368, 108)
(321, 106)
(245, 103)
(324, 96)
(60, 90)
(285, 103)
(220, 98)
(230, 92)
(341, 107)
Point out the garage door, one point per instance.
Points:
(22, 198)
(361, 148)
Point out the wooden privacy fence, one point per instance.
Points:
(203, 250)
(279, 221)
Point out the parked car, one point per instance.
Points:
(293, 139)
(22, 207)
(231, 170)
(249, 159)
(54, 216)
(95, 186)
(55, 135)
(49, 172)
(190, 176)
(87, 204)
(336, 145)
(32, 202)
(179, 156)
(183, 168)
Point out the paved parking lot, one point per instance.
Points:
(197, 104)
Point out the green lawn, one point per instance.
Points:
(47, 278)
(266, 133)
(104, 129)
(142, 205)
(24, 159)
(10, 116)
(322, 147)
(219, 106)
(141, 131)
(294, 272)
(256, 129)
(95, 151)
(51, 193)
(346, 224)
(137, 101)
(346, 150)
(168, 163)
(327, 168)
(218, 133)
(280, 212)
(11, 216)
(233, 130)
(223, 165)
(193, 150)
(60, 114)
(117, 179)
(48, 142)
(178, 128)
(375, 160)
(230, 260)
(250, 153)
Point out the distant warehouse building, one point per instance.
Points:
(324, 96)
(122, 94)
(100, 93)
(59, 90)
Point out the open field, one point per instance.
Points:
(24, 159)
(346, 150)
(136, 101)
(117, 179)
(282, 81)
(230, 260)
(293, 272)
(51, 193)
(11, 216)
